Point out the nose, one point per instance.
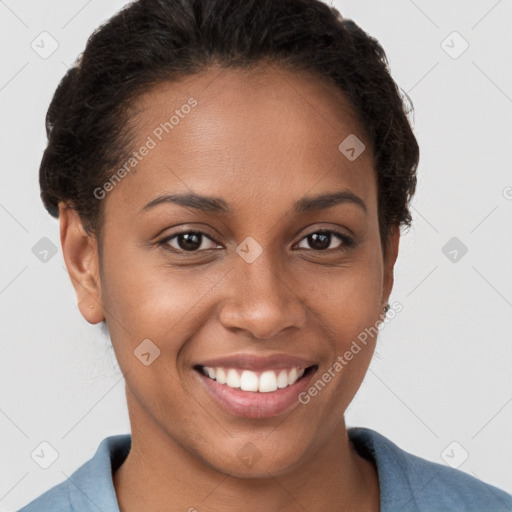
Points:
(263, 300)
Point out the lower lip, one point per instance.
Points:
(254, 404)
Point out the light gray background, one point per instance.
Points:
(442, 368)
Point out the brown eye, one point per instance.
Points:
(322, 240)
(189, 241)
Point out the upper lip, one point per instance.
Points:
(257, 362)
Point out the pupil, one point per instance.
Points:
(319, 241)
(191, 241)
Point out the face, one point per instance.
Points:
(218, 252)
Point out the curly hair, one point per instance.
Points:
(153, 41)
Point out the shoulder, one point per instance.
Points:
(411, 483)
(90, 487)
(55, 499)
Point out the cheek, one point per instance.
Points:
(348, 297)
(347, 308)
(153, 302)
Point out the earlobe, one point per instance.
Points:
(80, 253)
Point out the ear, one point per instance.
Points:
(389, 262)
(80, 252)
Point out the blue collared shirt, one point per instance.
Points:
(407, 483)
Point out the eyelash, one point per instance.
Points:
(347, 242)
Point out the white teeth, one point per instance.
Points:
(267, 382)
(282, 379)
(292, 376)
(249, 381)
(219, 375)
(233, 379)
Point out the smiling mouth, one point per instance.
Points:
(266, 381)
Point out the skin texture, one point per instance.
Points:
(261, 140)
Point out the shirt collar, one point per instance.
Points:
(396, 492)
(92, 486)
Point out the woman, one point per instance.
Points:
(231, 178)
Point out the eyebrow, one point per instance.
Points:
(218, 205)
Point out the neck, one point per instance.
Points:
(160, 475)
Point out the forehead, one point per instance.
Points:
(247, 135)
